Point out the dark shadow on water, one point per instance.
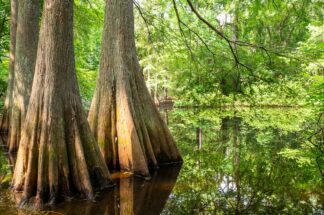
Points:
(133, 195)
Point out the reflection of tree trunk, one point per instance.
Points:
(3, 140)
(225, 135)
(236, 162)
(12, 161)
(127, 196)
(135, 196)
(199, 138)
(7, 168)
(166, 93)
(147, 197)
(166, 116)
(107, 203)
(3, 149)
(230, 131)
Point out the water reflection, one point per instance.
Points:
(252, 162)
(133, 196)
(249, 161)
(7, 162)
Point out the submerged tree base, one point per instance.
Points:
(123, 117)
(58, 156)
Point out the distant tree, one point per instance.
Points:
(58, 155)
(4, 123)
(123, 117)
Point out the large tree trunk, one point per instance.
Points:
(4, 123)
(57, 155)
(25, 58)
(128, 127)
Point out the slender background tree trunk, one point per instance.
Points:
(128, 127)
(4, 123)
(25, 58)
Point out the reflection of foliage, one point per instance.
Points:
(312, 147)
(246, 164)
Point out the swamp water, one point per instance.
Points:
(246, 161)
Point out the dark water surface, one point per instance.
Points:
(248, 161)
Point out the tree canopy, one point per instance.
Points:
(274, 57)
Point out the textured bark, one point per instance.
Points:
(57, 155)
(4, 123)
(128, 127)
(25, 58)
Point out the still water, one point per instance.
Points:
(245, 161)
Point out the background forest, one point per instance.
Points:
(201, 55)
(275, 55)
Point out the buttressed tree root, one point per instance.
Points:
(123, 117)
(58, 155)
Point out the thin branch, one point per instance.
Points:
(138, 7)
(218, 32)
(181, 30)
(180, 22)
(92, 7)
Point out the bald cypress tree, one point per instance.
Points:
(24, 66)
(58, 155)
(123, 117)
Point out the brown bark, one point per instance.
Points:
(128, 127)
(4, 123)
(57, 155)
(25, 58)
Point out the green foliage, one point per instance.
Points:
(87, 84)
(255, 161)
(88, 25)
(3, 81)
(4, 28)
(279, 50)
